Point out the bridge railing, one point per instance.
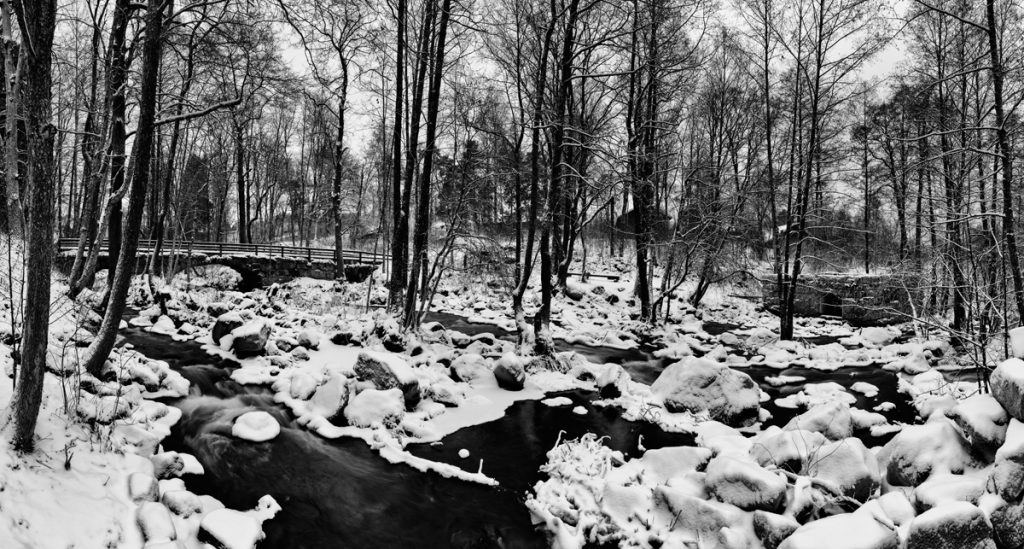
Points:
(234, 248)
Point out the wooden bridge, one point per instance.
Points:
(259, 264)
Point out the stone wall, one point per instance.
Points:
(859, 299)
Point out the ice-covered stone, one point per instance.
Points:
(698, 385)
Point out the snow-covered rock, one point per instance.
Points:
(715, 523)
(1007, 382)
(375, 408)
(847, 466)
(182, 503)
(230, 529)
(831, 419)
(1017, 342)
(699, 385)
(308, 339)
(225, 324)
(143, 487)
(510, 372)
(250, 339)
(473, 369)
(745, 484)
(1006, 526)
(918, 451)
(612, 381)
(845, 531)
(256, 426)
(389, 371)
(948, 488)
(982, 420)
(956, 525)
(329, 400)
(773, 529)
(790, 450)
(155, 522)
(1007, 477)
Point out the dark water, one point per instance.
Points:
(339, 493)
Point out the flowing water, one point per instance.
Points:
(339, 493)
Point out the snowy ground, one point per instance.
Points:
(345, 371)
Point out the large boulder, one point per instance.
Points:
(789, 450)
(1007, 477)
(250, 339)
(847, 466)
(832, 419)
(846, 531)
(389, 371)
(745, 484)
(957, 525)
(1006, 525)
(983, 421)
(224, 324)
(510, 372)
(947, 488)
(699, 385)
(1007, 382)
(920, 450)
(472, 368)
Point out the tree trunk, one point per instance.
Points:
(339, 163)
(99, 349)
(38, 19)
(399, 249)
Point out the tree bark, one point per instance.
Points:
(99, 349)
(38, 19)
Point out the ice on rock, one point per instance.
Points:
(375, 408)
(956, 525)
(918, 451)
(745, 484)
(256, 426)
(699, 385)
(1007, 382)
(555, 402)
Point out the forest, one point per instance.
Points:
(701, 214)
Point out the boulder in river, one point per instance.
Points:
(698, 385)
(224, 324)
(957, 525)
(250, 339)
(389, 371)
(510, 372)
(832, 419)
(329, 400)
(1007, 382)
